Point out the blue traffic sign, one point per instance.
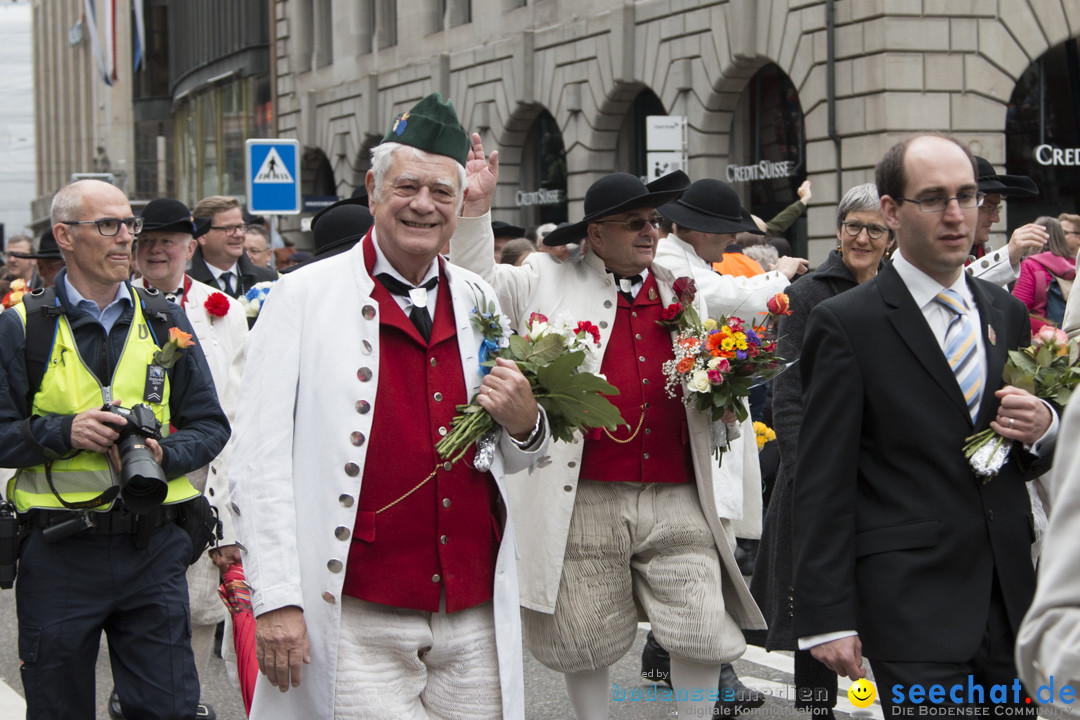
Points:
(273, 177)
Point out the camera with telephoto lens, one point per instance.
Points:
(142, 481)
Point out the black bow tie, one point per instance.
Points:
(175, 297)
(420, 316)
(626, 287)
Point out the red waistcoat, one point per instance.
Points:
(445, 536)
(659, 450)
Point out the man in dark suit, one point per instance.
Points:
(901, 550)
(220, 260)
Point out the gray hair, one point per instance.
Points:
(67, 203)
(382, 155)
(861, 198)
(765, 255)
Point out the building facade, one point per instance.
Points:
(772, 91)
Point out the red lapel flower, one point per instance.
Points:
(217, 305)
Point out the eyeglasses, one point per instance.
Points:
(263, 251)
(109, 227)
(938, 203)
(854, 228)
(635, 225)
(1071, 232)
(229, 229)
(996, 207)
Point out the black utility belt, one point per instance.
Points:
(118, 521)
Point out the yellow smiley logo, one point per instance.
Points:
(862, 693)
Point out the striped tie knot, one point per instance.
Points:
(961, 349)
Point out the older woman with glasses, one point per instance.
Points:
(863, 238)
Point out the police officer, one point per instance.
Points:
(94, 559)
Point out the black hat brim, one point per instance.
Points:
(507, 230)
(693, 219)
(38, 255)
(196, 226)
(661, 190)
(1009, 185)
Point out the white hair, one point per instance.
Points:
(382, 155)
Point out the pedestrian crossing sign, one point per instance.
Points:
(273, 177)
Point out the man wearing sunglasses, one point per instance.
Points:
(96, 556)
(220, 260)
(1002, 266)
(626, 519)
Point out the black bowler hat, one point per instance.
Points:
(337, 228)
(47, 249)
(502, 229)
(1004, 185)
(170, 215)
(710, 206)
(616, 193)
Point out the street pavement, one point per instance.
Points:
(545, 692)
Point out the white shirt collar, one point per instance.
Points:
(924, 288)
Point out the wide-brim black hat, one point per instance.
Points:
(710, 206)
(168, 215)
(340, 226)
(617, 193)
(1004, 185)
(47, 249)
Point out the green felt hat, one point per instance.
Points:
(432, 125)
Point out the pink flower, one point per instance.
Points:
(537, 317)
(1050, 335)
(716, 377)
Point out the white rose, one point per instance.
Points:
(714, 362)
(699, 381)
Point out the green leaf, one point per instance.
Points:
(519, 348)
(549, 348)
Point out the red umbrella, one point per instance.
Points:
(236, 594)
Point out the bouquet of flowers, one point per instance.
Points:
(719, 361)
(560, 360)
(1049, 368)
(253, 299)
(763, 434)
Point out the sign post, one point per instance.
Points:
(665, 145)
(273, 177)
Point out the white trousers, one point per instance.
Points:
(416, 665)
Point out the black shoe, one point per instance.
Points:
(735, 698)
(655, 662)
(205, 712)
(114, 706)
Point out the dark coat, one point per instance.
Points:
(250, 273)
(771, 583)
(893, 534)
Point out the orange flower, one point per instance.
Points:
(690, 343)
(181, 338)
(685, 364)
(712, 343)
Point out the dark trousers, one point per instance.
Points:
(992, 665)
(69, 591)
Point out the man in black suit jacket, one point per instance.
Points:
(900, 549)
(220, 260)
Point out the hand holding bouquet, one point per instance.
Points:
(559, 359)
(1049, 368)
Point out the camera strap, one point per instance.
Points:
(104, 498)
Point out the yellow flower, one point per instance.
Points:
(710, 324)
(763, 434)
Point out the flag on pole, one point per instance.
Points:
(95, 46)
(140, 32)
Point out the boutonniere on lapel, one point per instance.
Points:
(718, 361)
(991, 335)
(170, 352)
(492, 326)
(560, 360)
(217, 306)
(252, 301)
(1049, 368)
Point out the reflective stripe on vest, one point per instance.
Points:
(68, 388)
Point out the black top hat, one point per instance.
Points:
(171, 215)
(616, 193)
(502, 229)
(710, 206)
(1006, 185)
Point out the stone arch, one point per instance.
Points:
(316, 173)
(515, 141)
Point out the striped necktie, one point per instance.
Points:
(962, 350)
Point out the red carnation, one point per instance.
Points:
(779, 304)
(217, 305)
(587, 327)
(671, 312)
(685, 289)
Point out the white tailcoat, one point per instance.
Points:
(542, 505)
(295, 506)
